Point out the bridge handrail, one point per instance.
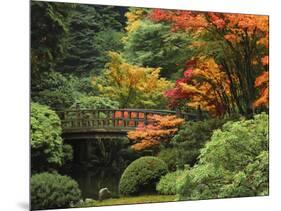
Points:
(105, 118)
(122, 109)
(154, 111)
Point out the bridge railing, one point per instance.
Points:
(111, 118)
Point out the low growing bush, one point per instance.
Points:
(233, 164)
(142, 175)
(168, 183)
(52, 191)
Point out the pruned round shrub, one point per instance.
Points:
(142, 175)
(168, 183)
(53, 191)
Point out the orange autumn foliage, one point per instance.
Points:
(205, 85)
(265, 60)
(213, 85)
(262, 82)
(231, 26)
(159, 130)
(237, 36)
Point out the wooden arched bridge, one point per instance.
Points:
(88, 129)
(95, 123)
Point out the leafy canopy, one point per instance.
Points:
(153, 45)
(49, 28)
(237, 43)
(204, 85)
(93, 30)
(132, 86)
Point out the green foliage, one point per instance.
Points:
(73, 40)
(233, 164)
(46, 143)
(105, 41)
(142, 175)
(49, 26)
(170, 157)
(67, 153)
(53, 191)
(95, 102)
(56, 90)
(153, 45)
(85, 53)
(168, 183)
(252, 181)
(60, 91)
(192, 137)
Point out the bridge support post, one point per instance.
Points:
(178, 112)
(145, 119)
(199, 113)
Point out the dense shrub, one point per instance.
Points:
(233, 164)
(168, 183)
(192, 137)
(56, 90)
(142, 175)
(53, 191)
(169, 156)
(95, 102)
(46, 142)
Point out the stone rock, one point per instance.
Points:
(104, 193)
(88, 200)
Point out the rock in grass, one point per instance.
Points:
(104, 193)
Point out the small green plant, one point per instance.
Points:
(52, 191)
(168, 183)
(142, 175)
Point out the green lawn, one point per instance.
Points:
(129, 200)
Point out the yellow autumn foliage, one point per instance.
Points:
(208, 85)
(132, 86)
(134, 17)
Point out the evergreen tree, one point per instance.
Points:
(153, 45)
(92, 29)
(49, 26)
